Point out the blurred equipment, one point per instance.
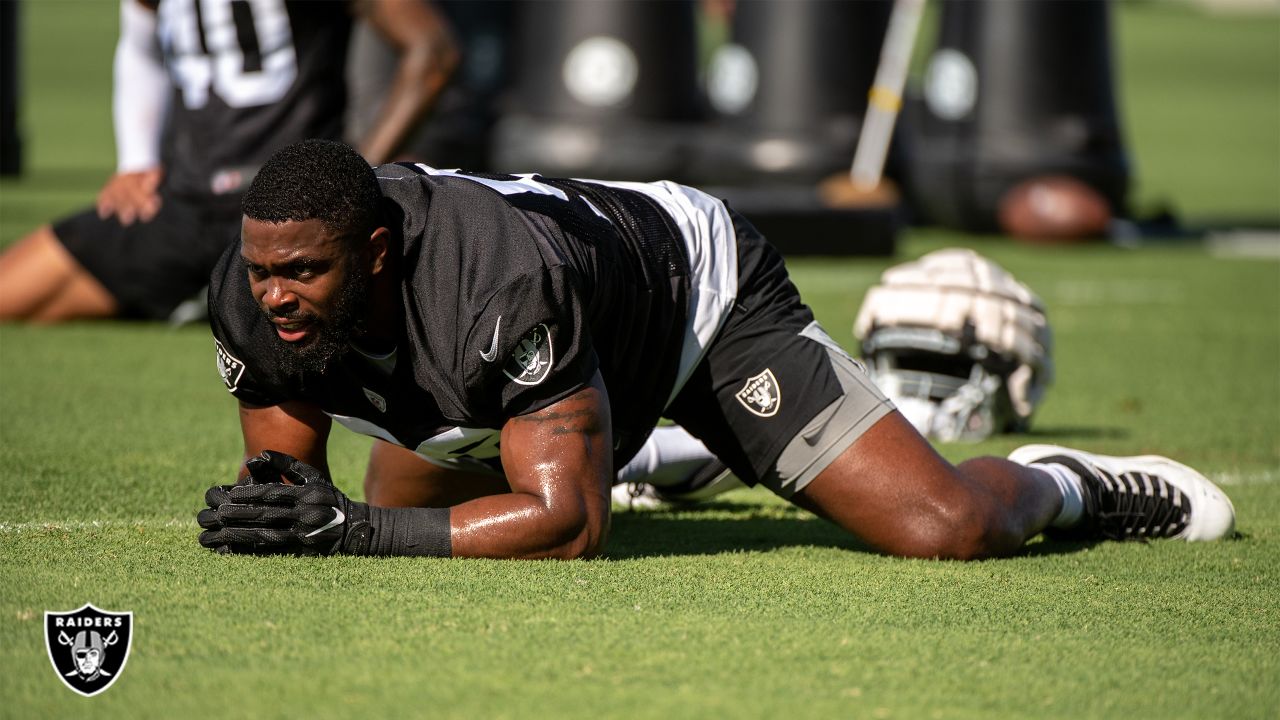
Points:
(10, 138)
(962, 348)
(1054, 209)
(602, 89)
(789, 91)
(1015, 91)
(885, 99)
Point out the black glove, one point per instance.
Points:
(268, 517)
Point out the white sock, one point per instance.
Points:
(669, 457)
(1072, 490)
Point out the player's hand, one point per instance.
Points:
(269, 517)
(131, 196)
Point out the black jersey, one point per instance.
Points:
(516, 290)
(248, 78)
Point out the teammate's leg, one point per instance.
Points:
(672, 466)
(41, 281)
(397, 477)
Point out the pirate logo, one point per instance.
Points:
(229, 367)
(761, 394)
(531, 361)
(88, 647)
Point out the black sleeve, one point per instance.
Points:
(530, 345)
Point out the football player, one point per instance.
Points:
(204, 91)
(510, 340)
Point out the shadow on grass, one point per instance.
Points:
(717, 528)
(1044, 547)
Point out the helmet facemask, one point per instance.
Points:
(959, 346)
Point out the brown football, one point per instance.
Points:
(1054, 208)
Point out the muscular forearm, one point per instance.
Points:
(527, 526)
(558, 462)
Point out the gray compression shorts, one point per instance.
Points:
(834, 428)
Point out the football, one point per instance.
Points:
(1054, 209)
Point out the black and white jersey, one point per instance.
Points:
(516, 290)
(248, 78)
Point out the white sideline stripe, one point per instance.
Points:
(1078, 292)
(1255, 478)
(1246, 244)
(80, 525)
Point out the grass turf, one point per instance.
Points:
(109, 434)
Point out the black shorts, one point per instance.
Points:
(769, 375)
(151, 267)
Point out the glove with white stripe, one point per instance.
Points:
(269, 517)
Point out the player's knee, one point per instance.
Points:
(962, 528)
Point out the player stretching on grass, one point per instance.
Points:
(510, 340)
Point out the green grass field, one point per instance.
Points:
(109, 434)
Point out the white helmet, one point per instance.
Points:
(961, 347)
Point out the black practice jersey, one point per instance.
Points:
(248, 78)
(516, 290)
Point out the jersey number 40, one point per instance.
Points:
(243, 51)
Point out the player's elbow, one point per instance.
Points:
(581, 534)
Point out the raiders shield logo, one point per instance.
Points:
(229, 367)
(761, 394)
(88, 647)
(531, 361)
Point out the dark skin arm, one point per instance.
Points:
(428, 56)
(559, 465)
(297, 428)
(558, 462)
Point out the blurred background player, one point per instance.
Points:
(204, 91)
(462, 117)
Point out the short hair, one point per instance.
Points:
(316, 180)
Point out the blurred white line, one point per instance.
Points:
(1251, 478)
(1261, 244)
(82, 525)
(1081, 292)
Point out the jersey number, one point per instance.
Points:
(242, 49)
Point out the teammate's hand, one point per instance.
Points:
(269, 517)
(131, 196)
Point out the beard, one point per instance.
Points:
(331, 337)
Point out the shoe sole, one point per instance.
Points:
(1212, 514)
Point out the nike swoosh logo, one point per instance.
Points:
(338, 518)
(493, 346)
